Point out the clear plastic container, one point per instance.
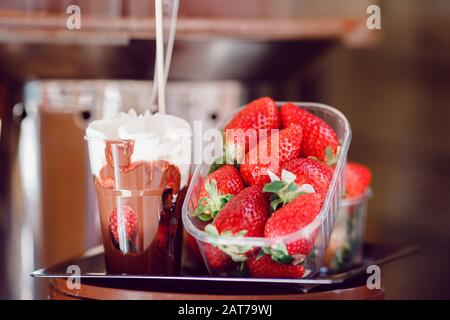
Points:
(139, 203)
(317, 232)
(345, 248)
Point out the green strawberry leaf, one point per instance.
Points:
(227, 233)
(275, 203)
(211, 230)
(274, 187)
(260, 254)
(203, 207)
(225, 199)
(312, 254)
(329, 154)
(282, 258)
(291, 187)
(238, 253)
(281, 255)
(211, 188)
(287, 176)
(331, 158)
(236, 257)
(205, 217)
(241, 233)
(285, 190)
(212, 204)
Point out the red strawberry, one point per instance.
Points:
(259, 114)
(217, 190)
(293, 217)
(265, 267)
(228, 180)
(247, 211)
(319, 139)
(216, 258)
(270, 154)
(357, 179)
(244, 215)
(310, 171)
(130, 222)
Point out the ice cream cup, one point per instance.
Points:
(140, 191)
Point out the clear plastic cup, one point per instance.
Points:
(315, 234)
(345, 249)
(139, 203)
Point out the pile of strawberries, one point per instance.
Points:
(277, 187)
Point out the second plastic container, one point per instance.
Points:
(345, 248)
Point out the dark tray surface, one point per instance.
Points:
(93, 273)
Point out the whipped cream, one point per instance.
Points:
(157, 137)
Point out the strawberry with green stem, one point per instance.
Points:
(237, 253)
(311, 171)
(290, 218)
(244, 215)
(286, 189)
(260, 114)
(319, 139)
(218, 188)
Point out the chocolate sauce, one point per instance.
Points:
(147, 199)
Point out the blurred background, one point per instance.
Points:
(393, 85)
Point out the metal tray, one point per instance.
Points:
(92, 271)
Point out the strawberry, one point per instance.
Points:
(265, 267)
(130, 222)
(216, 258)
(357, 179)
(310, 171)
(259, 114)
(269, 154)
(293, 217)
(247, 211)
(244, 215)
(217, 190)
(319, 139)
(228, 181)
